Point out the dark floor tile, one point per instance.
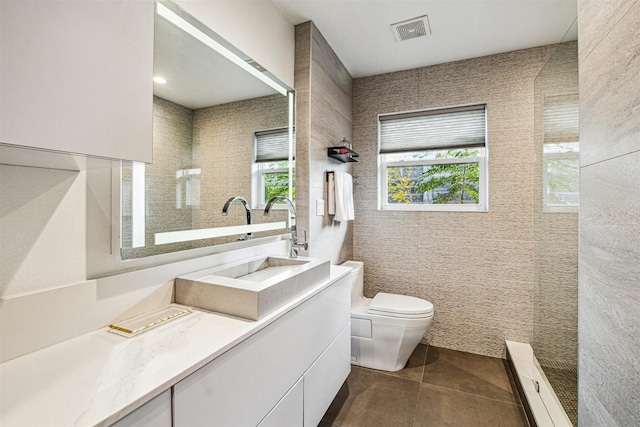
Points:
(470, 373)
(415, 365)
(442, 407)
(512, 381)
(370, 399)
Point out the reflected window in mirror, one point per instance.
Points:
(271, 166)
(188, 188)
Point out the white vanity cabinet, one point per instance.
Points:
(156, 413)
(295, 364)
(289, 411)
(76, 76)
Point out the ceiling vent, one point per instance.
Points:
(411, 29)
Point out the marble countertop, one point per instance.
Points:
(97, 378)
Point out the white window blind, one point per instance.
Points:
(560, 120)
(273, 145)
(433, 129)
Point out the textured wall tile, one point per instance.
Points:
(610, 223)
(592, 413)
(555, 343)
(556, 264)
(597, 18)
(332, 240)
(475, 334)
(477, 267)
(396, 91)
(610, 125)
(609, 341)
(556, 227)
(609, 99)
(390, 280)
(510, 301)
(324, 109)
(385, 239)
(557, 306)
(494, 260)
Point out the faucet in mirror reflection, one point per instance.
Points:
(243, 201)
(293, 240)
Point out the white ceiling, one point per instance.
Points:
(197, 76)
(359, 30)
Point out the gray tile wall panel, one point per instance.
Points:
(609, 303)
(324, 109)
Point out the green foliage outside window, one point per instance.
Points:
(401, 184)
(445, 183)
(277, 184)
(563, 182)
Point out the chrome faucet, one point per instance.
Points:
(293, 240)
(242, 200)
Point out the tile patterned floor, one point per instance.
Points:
(438, 387)
(564, 380)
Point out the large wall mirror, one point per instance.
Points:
(222, 128)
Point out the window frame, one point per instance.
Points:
(258, 184)
(560, 125)
(259, 170)
(482, 160)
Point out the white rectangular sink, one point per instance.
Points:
(251, 288)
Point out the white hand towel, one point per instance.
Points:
(344, 197)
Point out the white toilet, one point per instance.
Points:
(387, 328)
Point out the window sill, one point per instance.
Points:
(434, 208)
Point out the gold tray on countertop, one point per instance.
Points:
(137, 325)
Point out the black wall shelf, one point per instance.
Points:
(342, 154)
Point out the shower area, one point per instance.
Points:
(547, 369)
(555, 323)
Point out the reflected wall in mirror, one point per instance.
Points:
(220, 131)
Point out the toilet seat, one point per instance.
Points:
(402, 306)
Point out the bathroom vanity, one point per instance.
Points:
(200, 369)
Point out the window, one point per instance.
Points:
(271, 166)
(561, 154)
(433, 160)
(188, 188)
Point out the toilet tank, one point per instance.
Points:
(357, 280)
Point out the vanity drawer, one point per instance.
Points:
(323, 380)
(288, 412)
(241, 386)
(156, 413)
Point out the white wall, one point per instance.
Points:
(42, 228)
(256, 27)
(52, 221)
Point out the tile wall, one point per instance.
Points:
(476, 268)
(324, 104)
(609, 253)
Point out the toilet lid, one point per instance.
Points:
(400, 305)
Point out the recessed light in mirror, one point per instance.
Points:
(160, 80)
